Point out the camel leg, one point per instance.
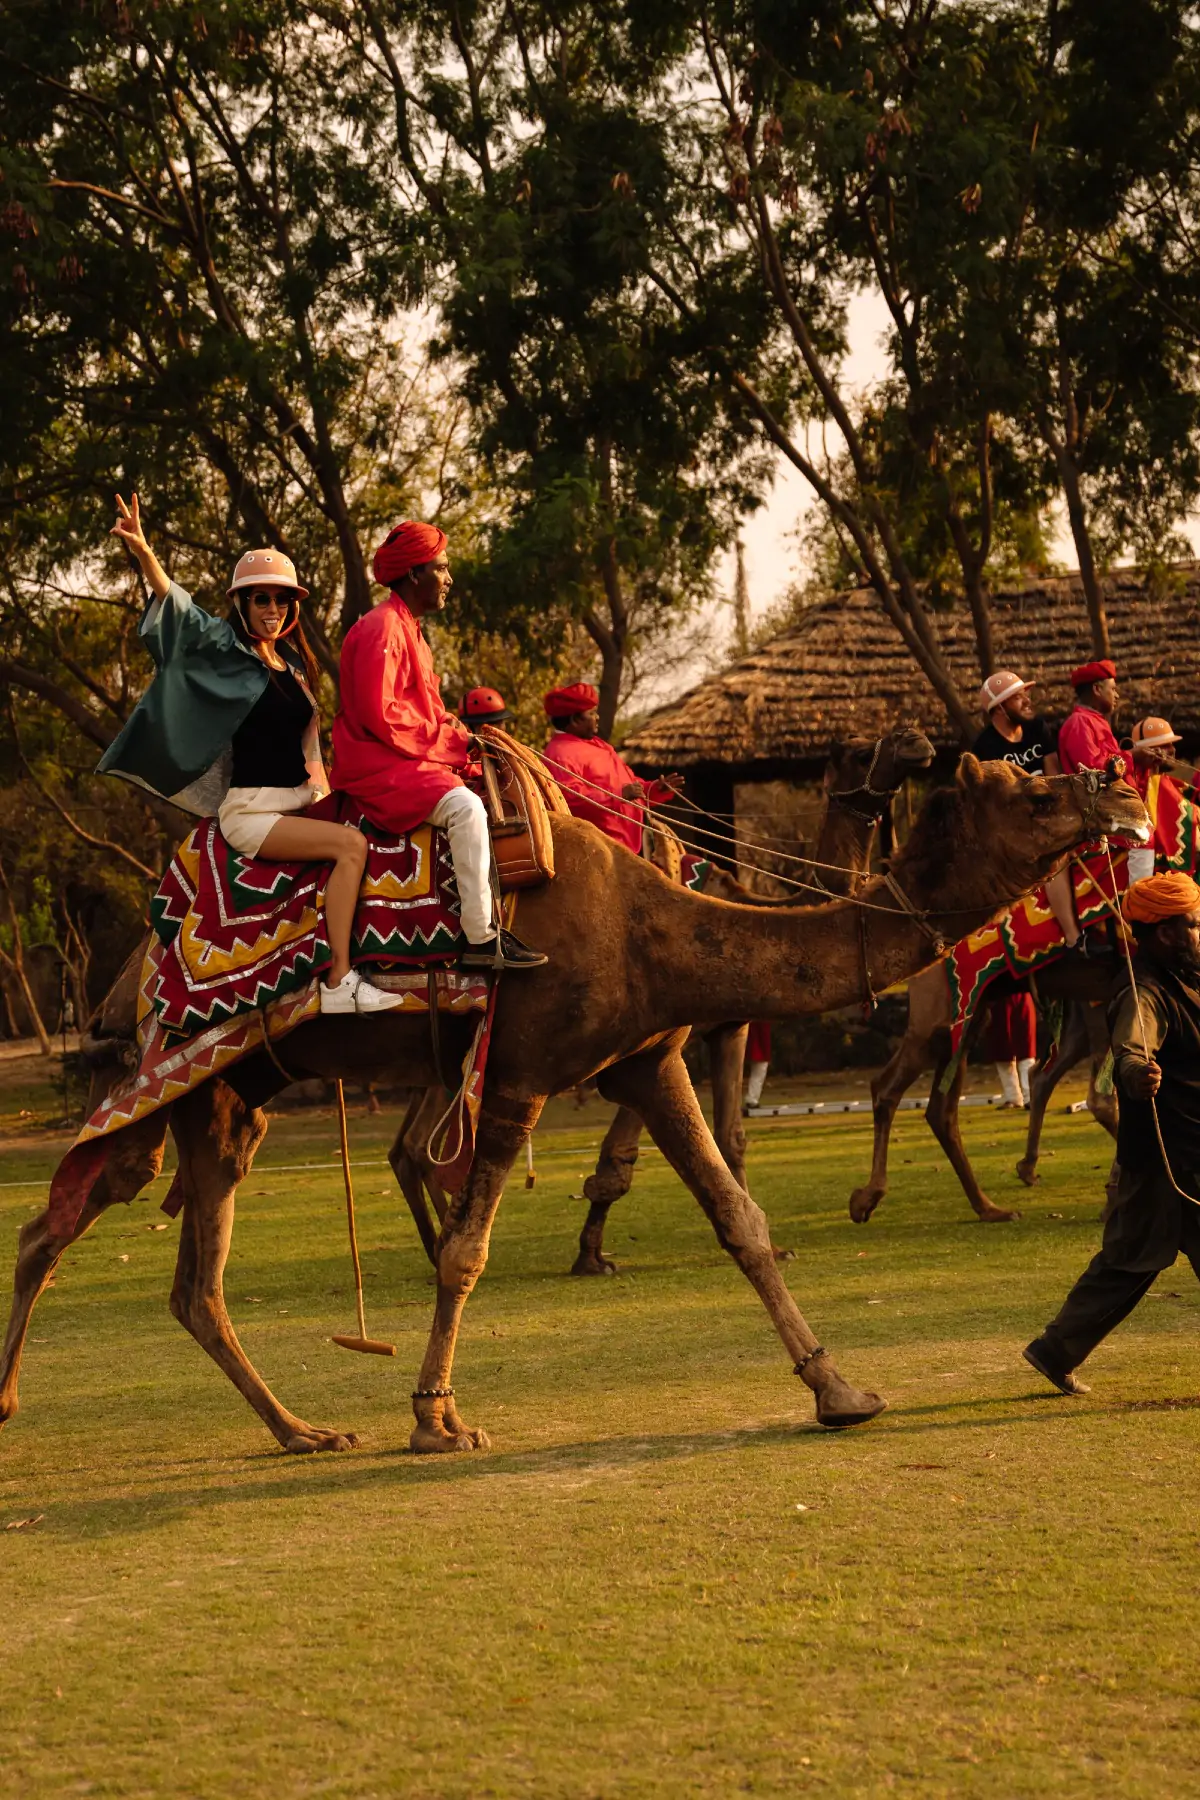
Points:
(942, 1115)
(1103, 1107)
(887, 1090)
(1072, 1048)
(217, 1136)
(609, 1181)
(657, 1084)
(462, 1248)
(134, 1160)
(727, 1060)
(410, 1165)
(727, 1054)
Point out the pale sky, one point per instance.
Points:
(773, 554)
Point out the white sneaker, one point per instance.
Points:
(340, 999)
(370, 999)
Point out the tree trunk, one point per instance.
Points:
(1092, 591)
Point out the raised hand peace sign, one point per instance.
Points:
(129, 529)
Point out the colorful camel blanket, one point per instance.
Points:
(1028, 936)
(238, 934)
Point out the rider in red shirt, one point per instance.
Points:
(597, 783)
(397, 750)
(1085, 737)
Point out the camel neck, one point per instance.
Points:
(753, 962)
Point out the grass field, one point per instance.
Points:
(663, 1580)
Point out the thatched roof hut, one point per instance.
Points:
(843, 671)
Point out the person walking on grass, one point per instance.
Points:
(1155, 1029)
(229, 725)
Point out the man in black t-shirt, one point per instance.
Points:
(1014, 732)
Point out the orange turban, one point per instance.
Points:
(1161, 897)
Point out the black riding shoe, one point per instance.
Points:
(1062, 1379)
(511, 953)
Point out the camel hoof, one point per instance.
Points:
(782, 1255)
(315, 1439)
(839, 1406)
(586, 1263)
(863, 1202)
(1027, 1172)
(996, 1215)
(429, 1438)
(9, 1407)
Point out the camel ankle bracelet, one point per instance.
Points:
(433, 1393)
(811, 1357)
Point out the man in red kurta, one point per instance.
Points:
(397, 750)
(1085, 737)
(1147, 768)
(597, 783)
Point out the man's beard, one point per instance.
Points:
(1186, 963)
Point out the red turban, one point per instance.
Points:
(1086, 673)
(404, 548)
(1161, 897)
(563, 702)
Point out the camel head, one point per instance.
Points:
(863, 774)
(997, 832)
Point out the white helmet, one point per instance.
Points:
(266, 568)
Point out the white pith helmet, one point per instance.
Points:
(265, 568)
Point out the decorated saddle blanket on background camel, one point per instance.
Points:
(1028, 936)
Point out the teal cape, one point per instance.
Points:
(177, 741)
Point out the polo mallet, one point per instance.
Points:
(369, 1346)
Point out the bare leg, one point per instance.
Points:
(216, 1136)
(941, 1115)
(657, 1084)
(410, 1165)
(610, 1181)
(887, 1090)
(1060, 898)
(134, 1160)
(1072, 1048)
(504, 1125)
(319, 840)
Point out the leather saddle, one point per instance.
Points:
(520, 794)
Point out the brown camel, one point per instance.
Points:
(926, 1044)
(862, 777)
(634, 962)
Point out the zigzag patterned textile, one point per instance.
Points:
(239, 934)
(1028, 936)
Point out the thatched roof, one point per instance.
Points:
(843, 671)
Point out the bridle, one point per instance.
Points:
(877, 797)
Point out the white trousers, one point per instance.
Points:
(1141, 863)
(1014, 1080)
(463, 817)
(756, 1075)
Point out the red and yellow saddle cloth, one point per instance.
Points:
(238, 934)
(1028, 936)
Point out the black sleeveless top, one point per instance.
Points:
(268, 745)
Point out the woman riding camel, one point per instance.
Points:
(229, 725)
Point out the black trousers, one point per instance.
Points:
(1147, 1228)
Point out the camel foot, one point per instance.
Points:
(593, 1262)
(863, 1202)
(840, 1404)
(995, 1215)
(782, 1255)
(431, 1438)
(1027, 1172)
(312, 1440)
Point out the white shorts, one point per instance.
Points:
(247, 814)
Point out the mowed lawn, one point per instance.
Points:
(663, 1580)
